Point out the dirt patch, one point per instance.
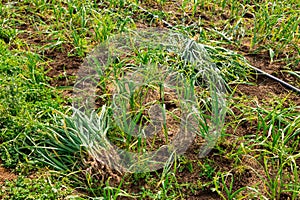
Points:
(276, 68)
(62, 68)
(6, 175)
(264, 89)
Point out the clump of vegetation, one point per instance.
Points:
(42, 187)
(25, 105)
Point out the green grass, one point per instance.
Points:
(25, 105)
(257, 155)
(43, 187)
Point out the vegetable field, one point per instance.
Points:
(150, 99)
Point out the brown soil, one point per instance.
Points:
(62, 68)
(6, 175)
